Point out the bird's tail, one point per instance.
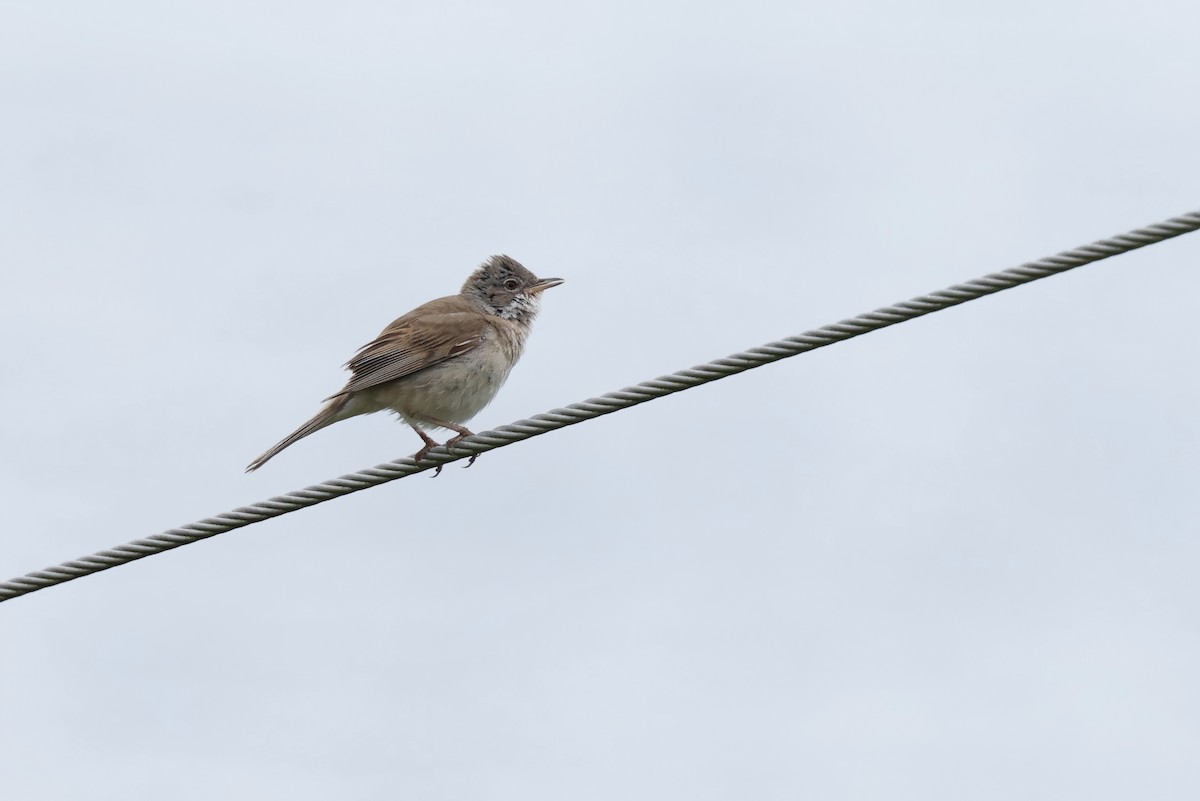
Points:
(330, 414)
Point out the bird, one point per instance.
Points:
(439, 365)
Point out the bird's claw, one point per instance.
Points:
(420, 455)
(458, 439)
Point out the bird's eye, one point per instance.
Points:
(512, 284)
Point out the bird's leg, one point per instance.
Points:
(421, 454)
(462, 431)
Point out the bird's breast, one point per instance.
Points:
(459, 388)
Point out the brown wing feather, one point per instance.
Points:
(429, 335)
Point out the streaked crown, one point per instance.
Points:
(505, 288)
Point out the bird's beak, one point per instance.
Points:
(543, 284)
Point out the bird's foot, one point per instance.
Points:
(420, 455)
(458, 439)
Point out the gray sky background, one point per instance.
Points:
(955, 559)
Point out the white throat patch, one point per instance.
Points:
(523, 308)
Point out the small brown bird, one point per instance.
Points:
(442, 363)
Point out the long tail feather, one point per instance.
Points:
(330, 414)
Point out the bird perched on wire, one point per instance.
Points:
(440, 364)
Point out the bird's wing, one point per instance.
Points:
(424, 337)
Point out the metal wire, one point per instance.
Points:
(605, 404)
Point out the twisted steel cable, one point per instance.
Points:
(605, 404)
